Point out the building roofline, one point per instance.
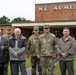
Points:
(56, 3)
(47, 21)
(5, 24)
(52, 24)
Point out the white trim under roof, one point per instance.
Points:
(40, 24)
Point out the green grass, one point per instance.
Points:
(28, 64)
(56, 70)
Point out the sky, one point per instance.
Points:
(22, 8)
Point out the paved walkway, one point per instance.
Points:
(29, 69)
(29, 72)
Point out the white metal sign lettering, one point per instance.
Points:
(56, 8)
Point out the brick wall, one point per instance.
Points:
(55, 11)
(3, 28)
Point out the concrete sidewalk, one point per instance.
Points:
(28, 71)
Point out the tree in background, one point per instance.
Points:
(4, 20)
(20, 19)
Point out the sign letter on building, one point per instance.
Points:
(46, 8)
(72, 7)
(40, 9)
(66, 7)
(55, 8)
(60, 7)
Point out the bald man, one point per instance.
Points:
(17, 48)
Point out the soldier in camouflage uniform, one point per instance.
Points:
(32, 50)
(48, 44)
(7, 36)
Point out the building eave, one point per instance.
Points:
(40, 24)
(55, 3)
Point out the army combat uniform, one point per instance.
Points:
(32, 50)
(47, 51)
(7, 53)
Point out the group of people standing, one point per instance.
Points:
(12, 48)
(45, 48)
(42, 48)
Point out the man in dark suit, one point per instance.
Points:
(3, 51)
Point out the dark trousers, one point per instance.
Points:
(1, 68)
(6, 68)
(35, 62)
(15, 67)
(69, 65)
(11, 68)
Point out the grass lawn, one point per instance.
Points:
(28, 64)
(56, 70)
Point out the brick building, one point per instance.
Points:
(55, 11)
(57, 15)
(4, 26)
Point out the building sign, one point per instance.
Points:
(45, 8)
(64, 7)
(60, 7)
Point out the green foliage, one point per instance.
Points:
(4, 20)
(20, 19)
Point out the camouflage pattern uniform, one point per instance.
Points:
(47, 51)
(32, 50)
(6, 64)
